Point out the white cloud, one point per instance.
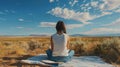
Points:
(9, 11)
(94, 3)
(72, 3)
(101, 6)
(118, 10)
(71, 14)
(115, 23)
(19, 27)
(78, 16)
(51, 1)
(72, 26)
(98, 31)
(104, 13)
(53, 24)
(24, 20)
(21, 19)
(85, 7)
(106, 29)
(106, 5)
(111, 4)
(47, 24)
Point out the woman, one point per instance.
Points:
(59, 45)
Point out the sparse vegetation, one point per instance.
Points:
(106, 47)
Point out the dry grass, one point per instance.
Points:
(106, 47)
(16, 48)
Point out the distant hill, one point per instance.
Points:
(95, 35)
(75, 35)
(109, 34)
(39, 35)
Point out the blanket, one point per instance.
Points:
(82, 61)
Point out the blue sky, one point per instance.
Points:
(91, 17)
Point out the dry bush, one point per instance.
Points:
(24, 45)
(33, 44)
(78, 48)
(110, 49)
(105, 47)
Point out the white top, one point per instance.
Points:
(60, 44)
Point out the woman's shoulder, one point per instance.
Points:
(62, 34)
(53, 35)
(66, 35)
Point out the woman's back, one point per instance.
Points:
(60, 44)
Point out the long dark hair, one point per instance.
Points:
(60, 26)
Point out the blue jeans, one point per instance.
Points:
(60, 58)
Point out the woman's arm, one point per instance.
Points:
(68, 40)
(52, 44)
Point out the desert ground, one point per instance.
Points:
(15, 48)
